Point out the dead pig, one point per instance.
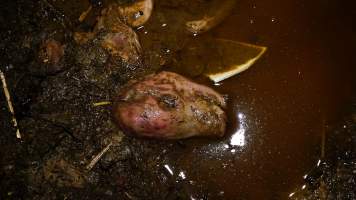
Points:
(168, 106)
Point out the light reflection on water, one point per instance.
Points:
(182, 175)
(220, 155)
(238, 138)
(235, 143)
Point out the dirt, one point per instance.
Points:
(63, 130)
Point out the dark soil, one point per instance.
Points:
(62, 130)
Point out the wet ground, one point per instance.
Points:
(291, 116)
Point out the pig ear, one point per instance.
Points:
(137, 13)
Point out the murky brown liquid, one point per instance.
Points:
(280, 107)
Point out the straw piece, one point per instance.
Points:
(9, 104)
(85, 14)
(103, 103)
(98, 156)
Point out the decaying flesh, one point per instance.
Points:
(169, 106)
(50, 58)
(115, 36)
(137, 13)
(51, 51)
(213, 17)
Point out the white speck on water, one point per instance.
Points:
(168, 169)
(291, 194)
(238, 138)
(182, 175)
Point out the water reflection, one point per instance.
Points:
(291, 194)
(182, 175)
(238, 138)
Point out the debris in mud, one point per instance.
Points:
(62, 174)
(98, 156)
(9, 104)
(103, 103)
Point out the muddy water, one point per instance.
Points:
(278, 109)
